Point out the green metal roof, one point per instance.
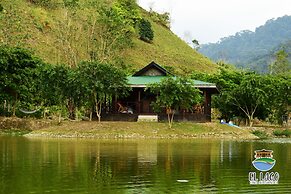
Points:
(142, 81)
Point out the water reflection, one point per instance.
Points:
(134, 166)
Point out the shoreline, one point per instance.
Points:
(121, 130)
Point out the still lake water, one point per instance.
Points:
(29, 165)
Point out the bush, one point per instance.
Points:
(280, 133)
(145, 30)
(163, 19)
(49, 4)
(71, 3)
(1, 8)
(260, 134)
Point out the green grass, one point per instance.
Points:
(282, 133)
(149, 130)
(14, 132)
(44, 31)
(168, 49)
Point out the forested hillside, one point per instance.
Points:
(254, 50)
(70, 31)
(71, 58)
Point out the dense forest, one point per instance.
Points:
(245, 95)
(253, 50)
(30, 87)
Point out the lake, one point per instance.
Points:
(32, 165)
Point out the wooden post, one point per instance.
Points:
(138, 102)
(115, 104)
(207, 106)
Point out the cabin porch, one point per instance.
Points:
(139, 103)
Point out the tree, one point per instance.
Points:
(225, 81)
(250, 95)
(101, 82)
(195, 44)
(174, 93)
(280, 97)
(117, 26)
(59, 86)
(281, 64)
(18, 75)
(163, 18)
(53, 80)
(145, 30)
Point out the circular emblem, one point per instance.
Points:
(264, 160)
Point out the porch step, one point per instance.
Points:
(147, 118)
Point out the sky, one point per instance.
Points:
(210, 20)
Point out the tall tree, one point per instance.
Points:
(226, 81)
(53, 85)
(101, 82)
(117, 25)
(281, 64)
(250, 95)
(195, 44)
(18, 75)
(174, 93)
(280, 97)
(60, 87)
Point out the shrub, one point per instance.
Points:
(1, 8)
(163, 18)
(260, 134)
(145, 30)
(49, 4)
(71, 3)
(279, 133)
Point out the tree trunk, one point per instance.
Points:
(170, 114)
(172, 119)
(60, 117)
(4, 105)
(14, 110)
(249, 113)
(71, 109)
(98, 110)
(14, 106)
(44, 113)
(169, 120)
(91, 114)
(251, 120)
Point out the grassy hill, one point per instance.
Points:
(61, 34)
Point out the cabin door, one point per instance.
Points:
(146, 106)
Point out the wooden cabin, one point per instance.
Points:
(139, 101)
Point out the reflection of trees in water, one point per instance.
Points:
(184, 161)
(103, 165)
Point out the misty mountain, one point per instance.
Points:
(254, 50)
